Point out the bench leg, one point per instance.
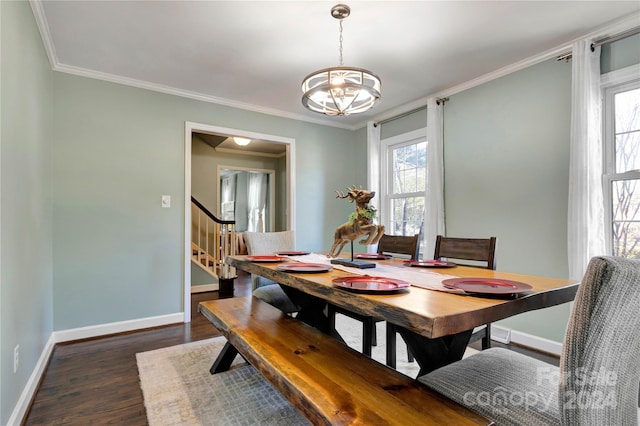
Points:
(224, 360)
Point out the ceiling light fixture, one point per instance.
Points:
(241, 141)
(341, 90)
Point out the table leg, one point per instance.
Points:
(224, 359)
(312, 309)
(432, 354)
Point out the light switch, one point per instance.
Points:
(166, 201)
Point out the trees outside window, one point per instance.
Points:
(404, 181)
(622, 167)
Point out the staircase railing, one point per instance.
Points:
(212, 240)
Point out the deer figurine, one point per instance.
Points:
(360, 222)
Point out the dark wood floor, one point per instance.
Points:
(96, 381)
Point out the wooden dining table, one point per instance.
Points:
(436, 325)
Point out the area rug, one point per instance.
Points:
(179, 390)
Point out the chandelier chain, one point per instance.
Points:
(340, 39)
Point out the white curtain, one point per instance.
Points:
(228, 196)
(434, 203)
(586, 204)
(373, 171)
(228, 188)
(256, 201)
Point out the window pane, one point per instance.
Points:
(409, 168)
(626, 218)
(627, 110)
(627, 150)
(627, 130)
(407, 215)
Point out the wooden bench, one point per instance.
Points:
(324, 379)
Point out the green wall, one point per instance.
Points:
(506, 175)
(621, 54)
(26, 293)
(506, 148)
(117, 150)
(408, 123)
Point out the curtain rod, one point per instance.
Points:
(628, 33)
(404, 114)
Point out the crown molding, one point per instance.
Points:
(43, 27)
(141, 84)
(607, 30)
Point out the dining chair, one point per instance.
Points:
(477, 252)
(266, 243)
(597, 381)
(406, 247)
(395, 245)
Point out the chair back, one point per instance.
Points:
(398, 244)
(474, 249)
(599, 368)
(269, 242)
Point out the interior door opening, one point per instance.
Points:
(202, 181)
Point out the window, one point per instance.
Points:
(404, 180)
(622, 166)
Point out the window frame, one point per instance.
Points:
(386, 168)
(611, 84)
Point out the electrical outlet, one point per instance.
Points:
(16, 358)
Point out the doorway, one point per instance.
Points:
(289, 185)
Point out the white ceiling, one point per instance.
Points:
(254, 54)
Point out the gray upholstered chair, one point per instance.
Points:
(597, 382)
(267, 243)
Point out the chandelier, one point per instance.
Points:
(340, 90)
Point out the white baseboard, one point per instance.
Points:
(20, 410)
(535, 342)
(29, 391)
(500, 334)
(116, 327)
(204, 287)
(505, 335)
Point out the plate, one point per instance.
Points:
(304, 267)
(430, 263)
(368, 284)
(371, 256)
(292, 253)
(265, 258)
(487, 285)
